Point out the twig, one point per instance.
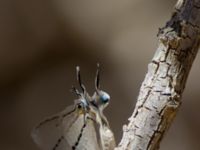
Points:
(161, 91)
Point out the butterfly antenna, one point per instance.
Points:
(79, 79)
(97, 85)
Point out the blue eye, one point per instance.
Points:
(104, 100)
(105, 97)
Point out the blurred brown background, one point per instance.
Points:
(41, 42)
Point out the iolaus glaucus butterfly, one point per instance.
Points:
(75, 127)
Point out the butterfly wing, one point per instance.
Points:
(48, 134)
(89, 140)
(82, 134)
(65, 131)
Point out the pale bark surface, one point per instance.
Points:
(161, 91)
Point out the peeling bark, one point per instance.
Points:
(161, 91)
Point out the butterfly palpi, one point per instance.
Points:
(75, 127)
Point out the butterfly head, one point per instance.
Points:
(100, 98)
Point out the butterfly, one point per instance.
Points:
(75, 127)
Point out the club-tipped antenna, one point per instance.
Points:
(97, 85)
(79, 79)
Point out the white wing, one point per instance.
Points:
(48, 134)
(65, 131)
(82, 135)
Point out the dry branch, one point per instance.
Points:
(161, 91)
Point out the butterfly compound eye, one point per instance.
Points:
(79, 106)
(105, 98)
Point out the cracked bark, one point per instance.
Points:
(161, 91)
